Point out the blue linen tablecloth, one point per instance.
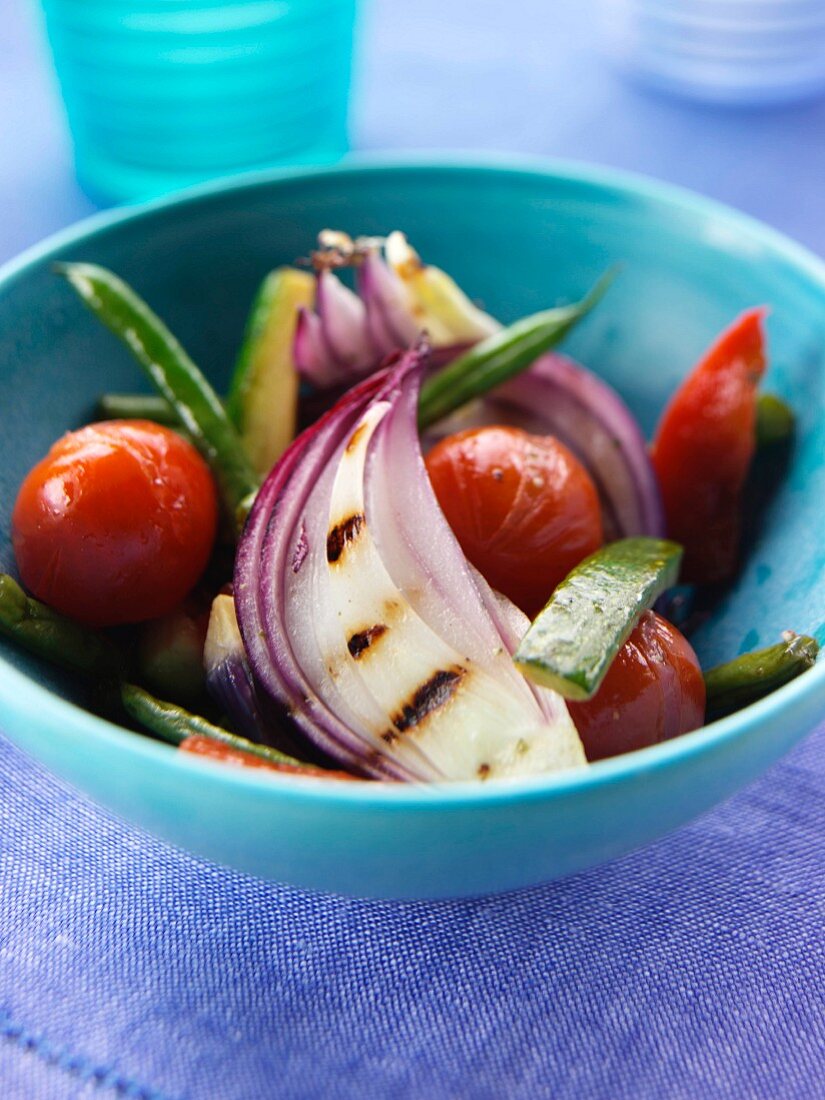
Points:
(693, 969)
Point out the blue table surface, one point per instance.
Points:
(692, 969)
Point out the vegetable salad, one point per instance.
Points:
(411, 544)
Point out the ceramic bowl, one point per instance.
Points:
(519, 238)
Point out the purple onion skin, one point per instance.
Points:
(311, 354)
(386, 330)
(291, 515)
(389, 323)
(279, 504)
(343, 319)
(336, 345)
(231, 685)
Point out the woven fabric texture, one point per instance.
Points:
(693, 969)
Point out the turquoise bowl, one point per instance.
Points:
(518, 237)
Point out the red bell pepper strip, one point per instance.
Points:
(201, 745)
(704, 446)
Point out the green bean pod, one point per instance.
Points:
(50, 635)
(174, 724)
(167, 364)
(743, 681)
(502, 356)
(775, 420)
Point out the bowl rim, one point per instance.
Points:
(26, 699)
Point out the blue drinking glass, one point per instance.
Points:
(164, 93)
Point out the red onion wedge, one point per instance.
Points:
(332, 345)
(398, 297)
(228, 677)
(343, 320)
(390, 318)
(361, 616)
(311, 353)
(230, 682)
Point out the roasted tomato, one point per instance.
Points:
(653, 691)
(523, 508)
(116, 524)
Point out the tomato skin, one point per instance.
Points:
(653, 691)
(116, 523)
(523, 508)
(704, 446)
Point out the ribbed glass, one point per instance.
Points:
(163, 93)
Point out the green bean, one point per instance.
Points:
(137, 406)
(48, 634)
(174, 724)
(501, 356)
(752, 676)
(775, 420)
(198, 407)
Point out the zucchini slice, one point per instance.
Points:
(263, 396)
(572, 642)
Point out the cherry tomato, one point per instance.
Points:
(116, 524)
(523, 508)
(703, 450)
(653, 691)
